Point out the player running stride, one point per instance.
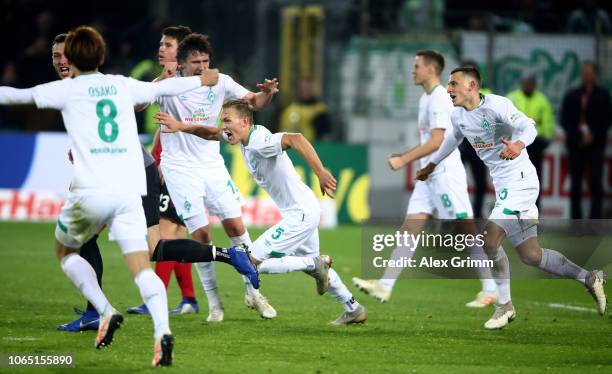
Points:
(500, 133)
(293, 243)
(98, 113)
(446, 190)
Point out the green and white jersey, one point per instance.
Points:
(485, 126)
(435, 110)
(98, 113)
(274, 172)
(200, 107)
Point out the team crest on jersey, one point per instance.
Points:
(479, 143)
(486, 126)
(187, 206)
(211, 96)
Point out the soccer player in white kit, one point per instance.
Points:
(293, 243)
(445, 192)
(500, 133)
(195, 172)
(109, 178)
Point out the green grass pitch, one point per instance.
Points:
(424, 328)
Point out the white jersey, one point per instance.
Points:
(98, 113)
(197, 107)
(274, 172)
(485, 126)
(435, 110)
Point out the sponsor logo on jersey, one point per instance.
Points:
(479, 143)
(198, 115)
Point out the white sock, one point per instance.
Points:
(246, 240)
(392, 273)
(488, 285)
(154, 295)
(339, 291)
(206, 272)
(501, 274)
(351, 305)
(286, 264)
(84, 279)
(483, 273)
(556, 263)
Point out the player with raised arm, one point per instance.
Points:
(170, 225)
(445, 192)
(109, 176)
(499, 133)
(293, 243)
(194, 170)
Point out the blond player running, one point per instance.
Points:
(293, 243)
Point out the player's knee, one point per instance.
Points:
(532, 258)
(233, 227)
(202, 235)
(490, 246)
(62, 251)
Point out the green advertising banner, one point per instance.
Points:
(348, 164)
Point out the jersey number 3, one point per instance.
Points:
(107, 112)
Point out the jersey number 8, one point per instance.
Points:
(107, 119)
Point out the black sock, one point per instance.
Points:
(91, 253)
(182, 250)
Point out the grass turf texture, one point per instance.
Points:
(424, 328)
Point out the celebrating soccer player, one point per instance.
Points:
(499, 133)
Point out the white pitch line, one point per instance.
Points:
(572, 307)
(20, 338)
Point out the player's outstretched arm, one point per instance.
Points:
(303, 147)
(450, 143)
(267, 90)
(11, 96)
(397, 161)
(170, 125)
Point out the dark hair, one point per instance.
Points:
(432, 58)
(177, 32)
(60, 38)
(194, 43)
(85, 48)
(242, 107)
(593, 64)
(470, 71)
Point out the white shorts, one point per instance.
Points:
(445, 193)
(194, 190)
(517, 200)
(297, 234)
(83, 216)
